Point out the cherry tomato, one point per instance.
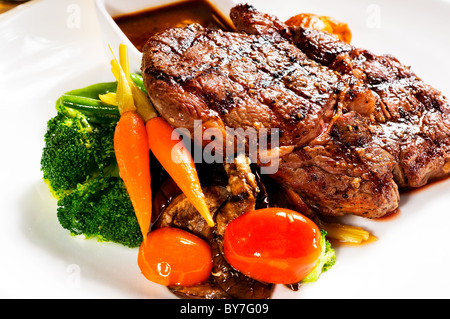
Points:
(173, 256)
(273, 245)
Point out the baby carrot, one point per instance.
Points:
(178, 162)
(131, 149)
(131, 146)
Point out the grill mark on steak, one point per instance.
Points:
(280, 75)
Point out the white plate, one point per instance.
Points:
(50, 47)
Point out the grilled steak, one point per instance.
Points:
(347, 147)
(408, 118)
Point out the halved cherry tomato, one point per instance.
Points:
(173, 256)
(273, 245)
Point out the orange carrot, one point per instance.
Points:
(178, 162)
(131, 144)
(130, 147)
(132, 153)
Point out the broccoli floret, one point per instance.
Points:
(101, 208)
(75, 149)
(78, 163)
(327, 259)
(68, 156)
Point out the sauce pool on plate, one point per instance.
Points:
(140, 26)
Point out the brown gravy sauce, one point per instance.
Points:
(408, 191)
(140, 26)
(429, 184)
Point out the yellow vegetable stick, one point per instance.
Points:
(347, 233)
(108, 98)
(124, 95)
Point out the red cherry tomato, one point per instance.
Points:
(173, 256)
(273, 245)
